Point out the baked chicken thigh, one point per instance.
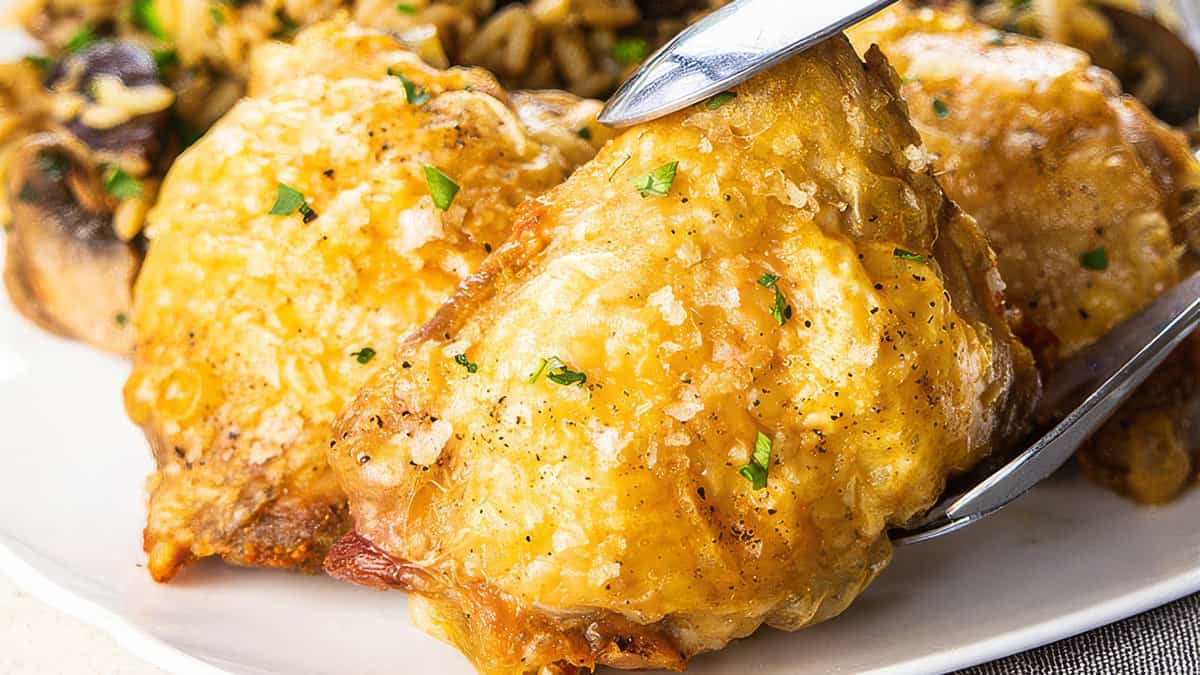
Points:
(1089, 202)
(692, 391)
(327, 214)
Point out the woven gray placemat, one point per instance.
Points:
(1164, 640)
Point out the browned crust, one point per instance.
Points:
(281, 537)
(590, 640)
(282, 528)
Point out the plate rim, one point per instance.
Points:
(135, 639)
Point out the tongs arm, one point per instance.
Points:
(1087, 388)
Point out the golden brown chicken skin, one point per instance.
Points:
(1088, 201)
(561, 464)
(254, 329)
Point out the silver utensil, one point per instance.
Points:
(1083, 392)
(726, 48)
(1177, 60)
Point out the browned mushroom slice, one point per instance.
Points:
(65, 268)
(126, 131)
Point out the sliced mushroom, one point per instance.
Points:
(65, 268)
(138, 138)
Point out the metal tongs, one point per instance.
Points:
(727, 48)
(748, 36)
(1079, 396)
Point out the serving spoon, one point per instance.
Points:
(1079, 396)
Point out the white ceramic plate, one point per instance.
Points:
(1064, 559)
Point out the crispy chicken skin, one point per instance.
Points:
(543, 523)
(250, 326)
(1089, 202)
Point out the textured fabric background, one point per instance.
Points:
(1165, 640)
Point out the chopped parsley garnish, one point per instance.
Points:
(909, 255)
(85, 36)
(164, 58)
(556, 371)
(412, 93)
(461, 359)
(118, 183)
(286, 25)
(121, 319)
(720, 100)
(630, 50)
(584, 133)
(363, 355)
(217, 14)
(145, 16)
(441, 187)
(27, 194)
(406, 8)
(781, 311)
(940, 109)
(1095, 259)
(51, 163)
(42, 63)
(998, 38)
(657, 182)
(755, 470)
(288, 200)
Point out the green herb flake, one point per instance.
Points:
(441, 187)
(165, 58)
(720, 100)
(755, 470)
(543, 366)
(51, 163)
(145, 15)
(118, 183)
(630, 50)
(412, 93)
(363, 355)
(557, 371)
(584, 133)
(406, 8)
(286, 25)
(909, 255)
(217, 14)
(461, 359)
(998, 38)
(940, 109)
(657, 182)
(288, 200)
(121, 319)
(780, 310)
(1095, 259)
(27, 194)
(85, 36)
(42, 63)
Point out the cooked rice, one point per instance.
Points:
(583, 46)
